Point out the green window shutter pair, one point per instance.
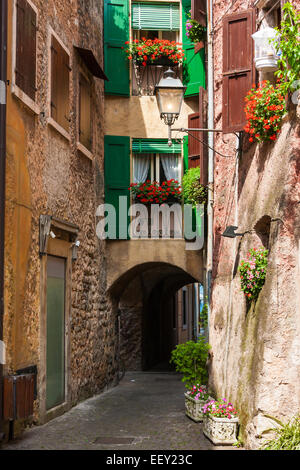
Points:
(117, 179)
(156, 16)
(155, 146)
(116, 32)
(194, 66)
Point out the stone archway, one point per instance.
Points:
(143, 297)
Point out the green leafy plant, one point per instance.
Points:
(253, 272)
(288, 47)
(287, 436)
(265, 107)
(194, 31)
(203, 316)
(193, 191)
(190, 360)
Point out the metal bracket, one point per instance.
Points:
(45, 225)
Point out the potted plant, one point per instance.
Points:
(253, 272)
(196, 33)
(190, 360)
(265, 107)
(195, 399)
(154, 52)
(154, 193)
(220, 422)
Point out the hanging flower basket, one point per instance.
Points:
(196, 33)
(154, 52)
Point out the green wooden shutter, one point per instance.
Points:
(155, 146)
(117, 178)
(194, 66)
(156, 16)
(116, 32)
(185, 153)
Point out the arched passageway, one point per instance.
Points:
(145, 299)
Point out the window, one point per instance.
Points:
(156, 167)
(25, 49)
(155, 17)
(85, 134)
(60, 78)
(153, 159)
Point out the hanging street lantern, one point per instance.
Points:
(266, 58)
(169, 95)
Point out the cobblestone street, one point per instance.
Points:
(145, 412)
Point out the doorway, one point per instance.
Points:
(55, 339)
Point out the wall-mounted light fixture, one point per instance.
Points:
(230, 232)
(75, 247)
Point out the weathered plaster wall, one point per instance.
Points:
(47, 175)
(138, 116)
(255, 360)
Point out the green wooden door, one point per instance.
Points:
(117, 180)
(194, 66)
(55, 378)
(116, 32)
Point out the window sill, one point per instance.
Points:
(29, 103)
(58, 128)
(82, 149)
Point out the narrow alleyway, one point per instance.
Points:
(145, 412)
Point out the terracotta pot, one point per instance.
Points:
(198, 46)
(220, 431)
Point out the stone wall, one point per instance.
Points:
(256, 362)
(46, 174)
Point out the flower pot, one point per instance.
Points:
(220, 431)
(163, 61)
(198, 46)
(193, 408)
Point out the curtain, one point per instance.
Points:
(171, 166)
(141, 164)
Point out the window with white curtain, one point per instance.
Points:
(156, 167)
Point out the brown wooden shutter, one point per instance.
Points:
(203, 136)
(238, 67)
(26, 48)
(198, 11)
(60, 78)
(20, 63)
(197, 150)
(85, 112)
(194, 150)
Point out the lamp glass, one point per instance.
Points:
(169, 100)
(265, 52)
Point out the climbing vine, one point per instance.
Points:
(288, 48)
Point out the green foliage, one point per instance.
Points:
(195, 31)
(253, 272)
(203, 317)
(288, 47)
(287, 436)
(193, 191)
(190, 360)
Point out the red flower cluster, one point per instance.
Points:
(265, 106)
(154, 193)
(149, 50)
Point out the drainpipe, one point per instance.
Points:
(210, 125)
(3, 78)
